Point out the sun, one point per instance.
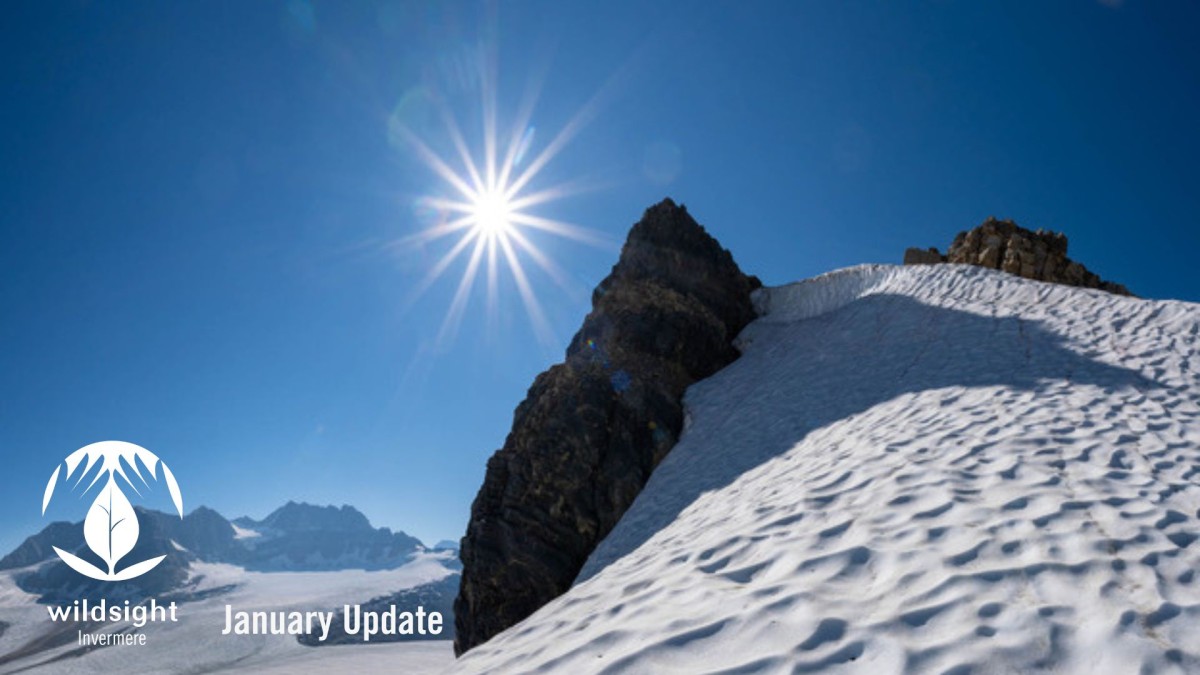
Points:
(492, 211)
(488, 208)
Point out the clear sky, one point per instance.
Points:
(204, 206)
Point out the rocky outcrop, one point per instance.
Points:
(920, 256)
(592, 428)
(1004, 245)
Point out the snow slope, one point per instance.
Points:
(936, 469)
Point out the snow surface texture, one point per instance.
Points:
(933, 469)
(195, 644)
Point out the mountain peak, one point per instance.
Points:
(302, 517)
(591, 429)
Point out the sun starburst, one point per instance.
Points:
(489, 211)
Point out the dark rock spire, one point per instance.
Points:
(592, 428)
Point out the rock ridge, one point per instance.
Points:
(591, 429)
(1004, 245)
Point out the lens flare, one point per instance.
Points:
(489, 210)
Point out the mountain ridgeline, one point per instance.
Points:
(592, 429)
(295, 537)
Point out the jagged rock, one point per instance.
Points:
(920, 256)
(591, 429)
(1004, 245)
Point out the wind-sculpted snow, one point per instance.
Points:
(822, 294)
(924, 469)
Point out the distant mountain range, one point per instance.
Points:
(305, 537)
(294, 537)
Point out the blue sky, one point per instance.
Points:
(200, 203)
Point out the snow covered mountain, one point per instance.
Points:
(294, 537)
(939, 469)
(299, 536)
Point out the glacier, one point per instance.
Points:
(194, 644)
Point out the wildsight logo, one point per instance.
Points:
(111, 527)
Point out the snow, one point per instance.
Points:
(18, 610)
(195, 644)
(397, 657)
(935, 469)
(244, 533)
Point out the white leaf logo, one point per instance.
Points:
(111, 527)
